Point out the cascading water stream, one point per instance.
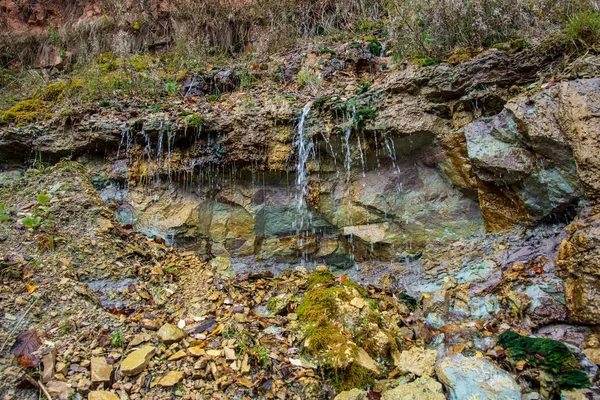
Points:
(304, 147)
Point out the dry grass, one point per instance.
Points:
(433, 28)
(195, 29)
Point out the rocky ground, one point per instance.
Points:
(91, 308)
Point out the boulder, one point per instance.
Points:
(475, 378)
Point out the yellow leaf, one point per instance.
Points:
(478, 354)
(31, 288)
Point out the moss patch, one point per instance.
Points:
(549, 355)
(26, 111)
(320, 277)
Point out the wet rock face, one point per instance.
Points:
(578, 264)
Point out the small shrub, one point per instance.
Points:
(171, 88)
(31, 223)
(117, 339)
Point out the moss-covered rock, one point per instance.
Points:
(26, 111)
(344, 330)
(552, 357)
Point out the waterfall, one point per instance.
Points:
(304, 147)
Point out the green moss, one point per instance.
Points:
(26, 111)
(320, 101)
(549, 354)
(54, 91)
(360, 289)
(320, 277)
(140, 62)
(337, 355)
(194, 121)
(328, 51)
(410, 301)
(322, 335)
(355, 376)
(426, 62)
(361, 115)
(318, 304)
(574, 379)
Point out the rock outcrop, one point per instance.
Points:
(578, 263)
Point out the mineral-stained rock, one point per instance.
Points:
(578, 263)
(423, 388)
(137, 361)
(562, 122)
(520, 183)
(170, 334)
(418, 361)
(475, 378)
(102, 395)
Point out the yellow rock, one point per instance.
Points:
(171, 378)
(179, 355)
(102, 395)
(196, 351)
(170, 334)
(137, 361)
(100, 370)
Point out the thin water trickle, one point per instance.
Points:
(124, 132)
(346, 145)
(304, 148)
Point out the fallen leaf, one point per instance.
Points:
(372, 395)
(31, 288)
(27, 342)
(29, 361)
(27, 272)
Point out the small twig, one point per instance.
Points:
(44, 389)
(17, 324)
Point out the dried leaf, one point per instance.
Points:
(27, 272)
(31, 288)
(372, 395)
(29, 361)
(27, 342)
